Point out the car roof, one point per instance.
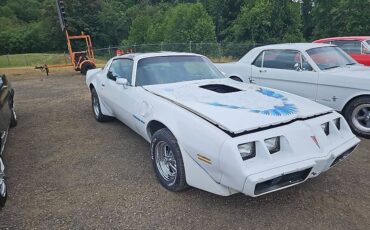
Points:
(138, 56)
(360, 38)
(298, 46)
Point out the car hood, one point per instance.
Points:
(355, 77)
(355, 71)
(237, 107)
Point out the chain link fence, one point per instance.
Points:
(218, 52)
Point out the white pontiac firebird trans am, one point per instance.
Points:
(214, 133)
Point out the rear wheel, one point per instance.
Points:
(357, 114)
(167, 161)
(95, 104)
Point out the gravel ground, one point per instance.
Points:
(65, 170)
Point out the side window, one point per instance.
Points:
(258, 61)
(350, 47)
(122, 68)
(281, 59)
(1, 82)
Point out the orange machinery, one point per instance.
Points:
(81, 60)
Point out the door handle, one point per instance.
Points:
(263, 71)
(102, 84)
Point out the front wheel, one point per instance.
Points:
(3, 189)
(357, 114)
(95, 104)
(167, 161)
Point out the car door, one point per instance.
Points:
(286, 70)
(121, 98)
(364, 58)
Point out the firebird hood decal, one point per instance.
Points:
(284, 109)
(250, 108)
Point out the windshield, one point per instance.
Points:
(330, 57)
(171, 69)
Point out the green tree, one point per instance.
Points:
(188, 22)
(307, 24)
(340, 18)
(113, 22)
(268, 21)
(147, 25)
(224, 13)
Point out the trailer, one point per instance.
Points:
(82, 60)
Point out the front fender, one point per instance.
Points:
(200, 139)
(353, 96)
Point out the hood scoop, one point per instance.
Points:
(220, 88)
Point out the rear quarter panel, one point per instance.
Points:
(242, 70)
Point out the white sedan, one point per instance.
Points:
(322, 73)
(214, 133)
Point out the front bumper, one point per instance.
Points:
(292, 174)
(305, 152)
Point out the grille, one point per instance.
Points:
(281, 181)
(342, 156)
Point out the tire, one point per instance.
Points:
(95, 104)
(3, 188)
(86, 67)
(13, 115)
(163, 142)
(235, 78)
(3, 139)
(357, 114)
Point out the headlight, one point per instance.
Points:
(337, 123)
(273, 144)
(325, 128)
(247, 150)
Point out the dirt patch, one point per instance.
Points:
(65, 170)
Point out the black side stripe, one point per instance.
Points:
(231, 134)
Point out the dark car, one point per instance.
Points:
(8, 119)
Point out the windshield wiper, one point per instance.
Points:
(332, 67)
(354, 63)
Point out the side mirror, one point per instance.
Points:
(297, 67)
(122, 81)
(111, 76)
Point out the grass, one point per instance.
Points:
(32, 59)
(37, 59)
